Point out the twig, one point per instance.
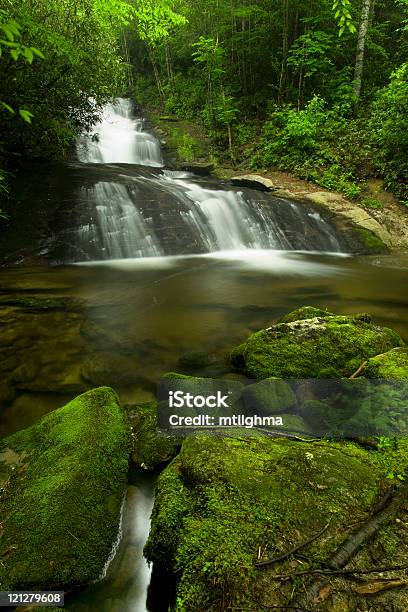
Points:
(341, 572)
(360, 369)
(74, 536)
(293, 550)
(353, 543)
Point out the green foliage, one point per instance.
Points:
(156, 20)
(371, 203)
(65, 55)
(309, 53)
(388, 132)
(342, 13)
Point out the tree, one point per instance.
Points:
(361, 42)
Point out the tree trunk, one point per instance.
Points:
(362, 35)
(156, 74)
(285, 46)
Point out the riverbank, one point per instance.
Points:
(382, 220)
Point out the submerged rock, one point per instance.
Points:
(110, 368)
(61, 499)
(225, 503)
(393, 364)
(306, 347)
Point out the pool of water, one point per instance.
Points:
(139, 317)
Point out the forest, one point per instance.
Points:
(318, 88)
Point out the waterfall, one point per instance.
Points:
(119, 138)
(116, 230)
(148, 213)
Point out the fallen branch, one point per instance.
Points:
(360, 370)
(341, 572)
(293, 550)
(352, 544)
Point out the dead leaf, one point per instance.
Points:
(375, 586)
(323, 593)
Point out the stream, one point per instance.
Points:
(116, 267)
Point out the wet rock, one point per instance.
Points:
(393, 364)
(303, 348)
(150, 448)
(62, 501)
(253, 181)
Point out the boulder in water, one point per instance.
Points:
(61, 499)
(304, 348)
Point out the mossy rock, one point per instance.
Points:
(393, 364)
(60, 504)
(268, 397)
(303, 348)
(222, 500)
(305, 312)
(151, 448)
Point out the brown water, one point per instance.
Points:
(127, 322)
(146, 314)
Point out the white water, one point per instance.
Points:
(119, 138)
(117, 229)
(128, 220)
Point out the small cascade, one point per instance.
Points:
(116, 229)
(119, 138)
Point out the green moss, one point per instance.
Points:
(393, 364)
(224, 499)
(269, 397)
(305, 312)
(150, 448)
(302, 349)
(60, 505)
(370, 240)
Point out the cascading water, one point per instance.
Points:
(149, 213)
(119, 138)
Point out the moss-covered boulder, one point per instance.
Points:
(151, 448)
(304, 348)
(63, 484)
(269, 397)
(393, 364)
(223, 504)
